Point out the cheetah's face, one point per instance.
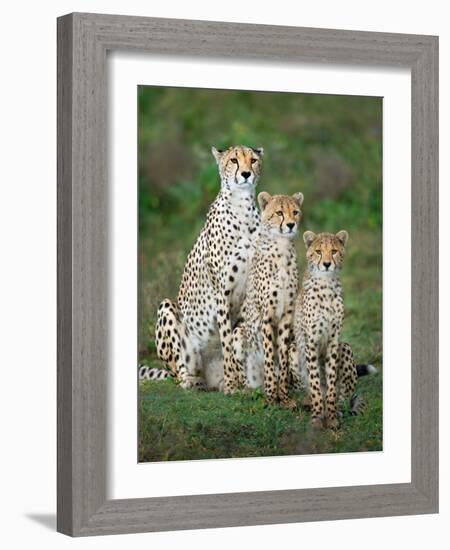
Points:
(280, 214)
(239, 166)
(325, 251)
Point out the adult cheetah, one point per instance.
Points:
(261, 339)
(317, 355)
(214, 279)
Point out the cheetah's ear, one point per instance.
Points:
(298, 197)
(342, 236)
(308, 238)
(217, 153)
(259, 151)
(263, 199)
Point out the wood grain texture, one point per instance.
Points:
(425, 265)
(256, 508)
(83, 41)
(82, 263)
(64, 300)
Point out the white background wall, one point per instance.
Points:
(28, 269)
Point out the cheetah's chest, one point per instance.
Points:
(240, 253)
(326, 310)
(281, 287)
(284, 280)
(241, 258)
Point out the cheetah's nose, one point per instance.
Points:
(245, 175)
(291, 225)
(327, 264)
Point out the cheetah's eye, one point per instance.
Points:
(234, 161)
(296, 212)
(318, 252)
(253, 161)
(334, 251)
(279, 213)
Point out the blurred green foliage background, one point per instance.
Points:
(326, 146)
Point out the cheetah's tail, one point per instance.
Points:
(357, 405)
(152, 373)
(364, 370)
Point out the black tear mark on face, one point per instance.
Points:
(281, 223)
(236, 172)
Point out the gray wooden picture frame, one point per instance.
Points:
(83, 42)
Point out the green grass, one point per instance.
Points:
(178, 424)
(328, 147)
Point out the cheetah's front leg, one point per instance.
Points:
(239, 346)
(232, 375)
(315, 391)
(270, 379)
(283, 341)
(347, 375)
(331, 364)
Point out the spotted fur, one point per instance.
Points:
(261, 339)
(317, 356)
(153, 373)
(213, 284)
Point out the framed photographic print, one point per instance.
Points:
(247, 274)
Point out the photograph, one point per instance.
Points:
(260, 274)
(221, 249)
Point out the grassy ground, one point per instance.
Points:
(185, 425)
(328, 147)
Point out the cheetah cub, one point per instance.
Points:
(319, 315)
(261, 339)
